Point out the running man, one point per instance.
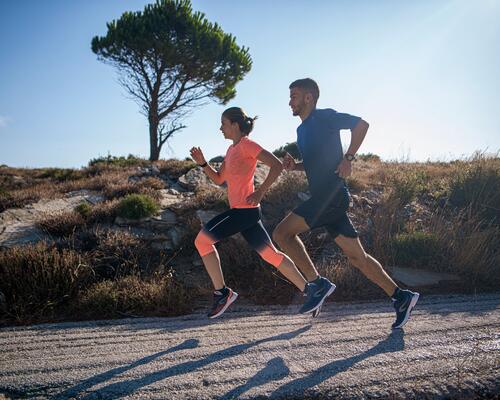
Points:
(326, 167)
(244, 215)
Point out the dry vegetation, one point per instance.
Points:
(439, 216)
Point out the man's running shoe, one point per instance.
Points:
(222, 302)
(316, 312)
(403, 305)
(316, 292)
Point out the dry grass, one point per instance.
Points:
(61, 223)
(132, 296)
(38, 280)
(175, 168)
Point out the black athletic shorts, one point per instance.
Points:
(332, 214)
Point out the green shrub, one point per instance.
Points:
(121, 161)
(368, 157)
(407, 183)
(137, 206)
(39, 279)
(291, 148)
(161, 295)
(84, 209)
(417, 250)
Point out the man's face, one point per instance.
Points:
(297, 100)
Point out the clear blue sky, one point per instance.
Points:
(424, 74)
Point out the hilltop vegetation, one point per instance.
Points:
(99, 259)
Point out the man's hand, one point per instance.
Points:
(344, 169)
(197, 155)
(288, 162)
(255, 198)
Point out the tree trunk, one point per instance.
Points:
(154, 148)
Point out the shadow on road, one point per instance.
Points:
(124, 388)
(275, 370)
(393, 343)
(88, 383)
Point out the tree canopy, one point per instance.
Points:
(171, 60)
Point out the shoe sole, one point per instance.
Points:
(316, 312)
(330, 291)
(408, 311)
(230, 301)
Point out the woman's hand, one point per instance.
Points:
(255, 198)
(197, 155)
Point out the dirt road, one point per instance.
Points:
(451, 346)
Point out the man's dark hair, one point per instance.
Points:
(307, 84)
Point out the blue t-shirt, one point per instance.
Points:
(318, 139)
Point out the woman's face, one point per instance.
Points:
(228, 128)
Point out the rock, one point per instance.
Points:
(162, 245)
(126, 221)
(195, 178)
(168, 198)
(261, 172)
(418, 277)
(205, 216)
(166, 217)
(176, 234)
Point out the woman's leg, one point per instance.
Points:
(259, 239)
(215, 229)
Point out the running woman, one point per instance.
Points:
(326, 167)
(244, 215)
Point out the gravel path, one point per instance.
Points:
(450, 348)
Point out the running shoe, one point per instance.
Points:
(222, 302)
(404, 305)
(316, 293)
(316, 312)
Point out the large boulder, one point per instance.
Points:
(195, 178)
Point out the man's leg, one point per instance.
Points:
(286, 236)
(368, 265)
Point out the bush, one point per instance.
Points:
(472, 246)
(84, 209)
(59, 174)
(109, 160)
(175, 168)
(217, 159)
(282, 196)
(114, 254)
(39, 279)
(291, 148)
(407, 183)
(368, 157)
(105, 212)
(418, 250)
(161, 295)
(477, 186)
(137, 206)
(61, 223)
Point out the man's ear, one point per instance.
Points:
(308, 98)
